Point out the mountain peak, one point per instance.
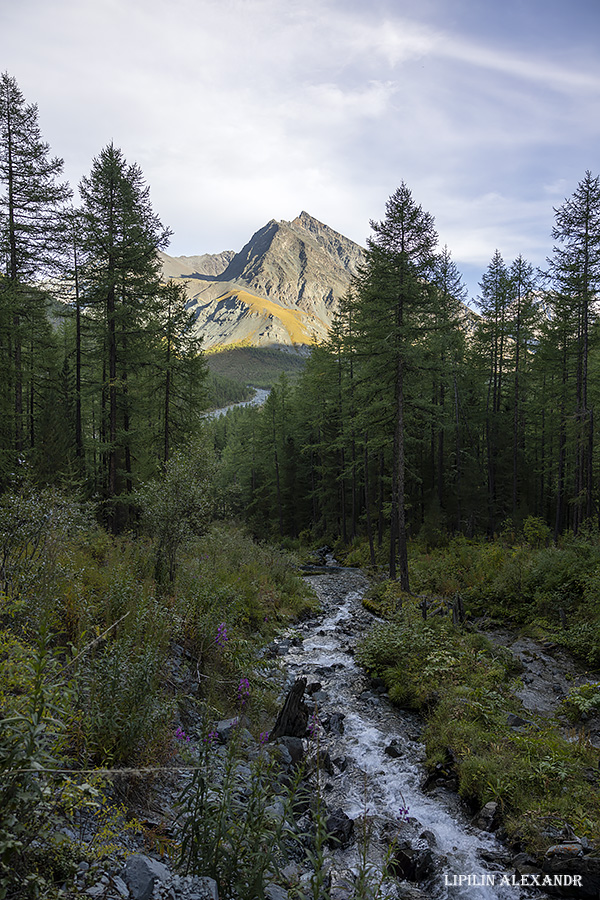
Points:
(282, 287)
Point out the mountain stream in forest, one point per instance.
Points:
(375, 763)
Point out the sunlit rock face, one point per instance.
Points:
(283, 287)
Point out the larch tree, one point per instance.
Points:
(395, 299)
(120, 274)
(575, 270)
(31, 197)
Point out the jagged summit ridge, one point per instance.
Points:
(282, 287)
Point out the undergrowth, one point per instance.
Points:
(88, 644)
(465, 685)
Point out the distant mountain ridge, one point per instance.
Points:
(281, 288)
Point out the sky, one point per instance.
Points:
(242, 111)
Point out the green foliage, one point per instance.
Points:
(178, 505)
(27, 813)
(232, 831)
(259, 366)
(466, 686)
(122, 711)
(582, 702)
(223, 390)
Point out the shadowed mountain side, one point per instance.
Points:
(283, 287)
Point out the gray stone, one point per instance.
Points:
(204, 888)
(141, 873)
(340, 829)
(274, 892)
(515, 721)
(342, 885)
(96, 890)
(294, 747)
(487, 817)
(121, 887)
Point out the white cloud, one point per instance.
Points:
(243, 110)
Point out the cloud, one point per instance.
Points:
(239, 111)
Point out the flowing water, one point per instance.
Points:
(372, 782)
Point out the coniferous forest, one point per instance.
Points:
(447, 446)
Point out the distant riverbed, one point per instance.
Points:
(260, 395)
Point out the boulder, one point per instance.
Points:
(412, 860)
(274, 892)
(487, 817)
(294, 747)
(340, 829)
(335, 723)
(141, 874)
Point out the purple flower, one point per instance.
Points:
(211, 737)
(180, 734)
(243, 690)
(264, 737)
(403, 813)
(221, 638)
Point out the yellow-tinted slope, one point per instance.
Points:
(291, 319)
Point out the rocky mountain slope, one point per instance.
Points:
(282, 288)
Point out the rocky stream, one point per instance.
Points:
(415, 833)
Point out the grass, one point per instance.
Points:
(100, 689)
(466, 687)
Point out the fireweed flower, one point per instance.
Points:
(243, 690)
(221, 638)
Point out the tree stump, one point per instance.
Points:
(292, 721)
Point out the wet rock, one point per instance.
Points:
(487, 817)
(335, 723)
(141, 874)
(320, 697)
(313, 687)
(323, 762)
(412, 860)
(393, 749)
(410, 892)
(341, 763)
(340, 829)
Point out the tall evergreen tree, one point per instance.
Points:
(394, 305)
(31, 197)
(121, 237)
(575, 270)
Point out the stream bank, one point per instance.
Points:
(372, 777)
